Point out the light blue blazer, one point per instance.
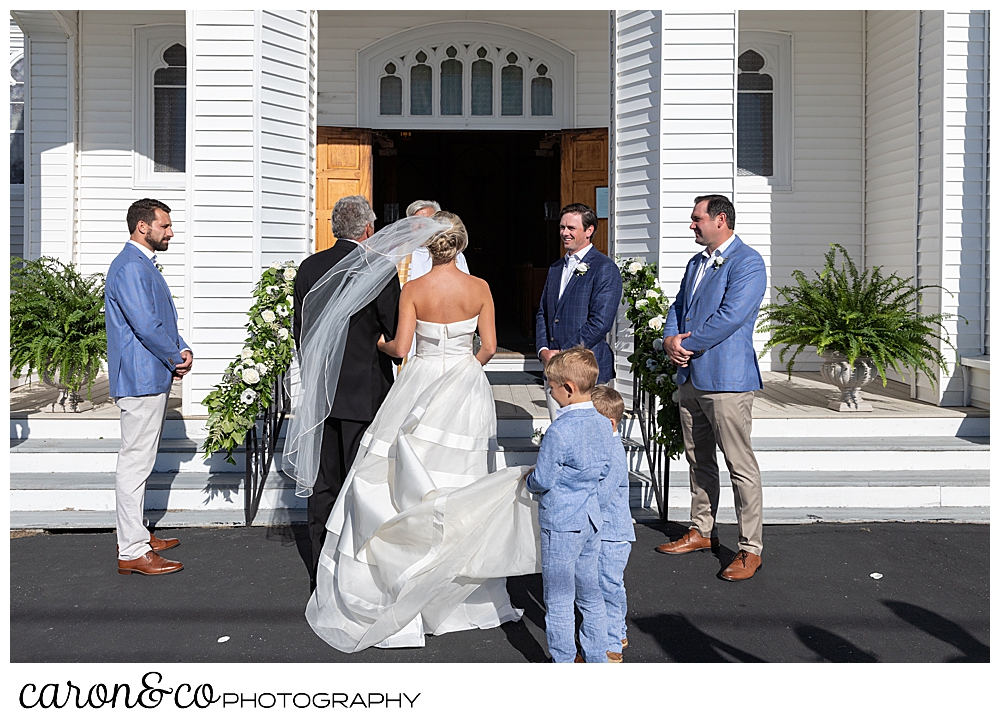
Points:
(574, 459)
(141, 321)
(720, 314)
(616, 523)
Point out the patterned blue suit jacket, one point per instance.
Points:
(585, 313)
(573, 461)
(720, 315)
(141, 321)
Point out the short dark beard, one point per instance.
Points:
(160, 245)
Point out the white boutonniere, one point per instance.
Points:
(581, 269)
(537, 436)
(718, 261)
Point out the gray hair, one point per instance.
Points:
(351, 215)
(417, 205)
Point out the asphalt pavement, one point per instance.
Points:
(893, 592)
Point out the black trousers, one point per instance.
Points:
(341, 439)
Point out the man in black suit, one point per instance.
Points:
(366, 373)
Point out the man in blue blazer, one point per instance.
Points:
(709, 336)
(580, 299)
(145, 355)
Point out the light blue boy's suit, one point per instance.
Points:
(617, 536)
(141, 320)
(573, 461)
(720, 314)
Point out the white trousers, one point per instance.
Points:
(141, 428)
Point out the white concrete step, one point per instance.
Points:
(521, 425)
(773, 454)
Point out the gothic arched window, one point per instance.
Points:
(17, 122)
(160, 106)
(755, 111)
(170, 111)
(764, 111)
(465, 75)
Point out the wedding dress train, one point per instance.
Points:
(422, 535)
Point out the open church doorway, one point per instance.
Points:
(507, 187)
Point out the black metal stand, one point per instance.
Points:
(261, 440)
(644, 407)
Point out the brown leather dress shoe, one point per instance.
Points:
(159, 545)
(614, 657)
(743, 566)
(689, 543)
(148, 564)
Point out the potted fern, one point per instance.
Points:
(57, 325)
(862, 324)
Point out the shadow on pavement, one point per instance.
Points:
(942, 629)
(526, 592)
(297, 535)
(831, 647)
(685, 643)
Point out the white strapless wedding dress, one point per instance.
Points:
(422, 535)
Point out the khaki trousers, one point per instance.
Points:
(141, 428)
(723, 419)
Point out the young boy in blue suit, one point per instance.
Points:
(617, 532)
(574, 459)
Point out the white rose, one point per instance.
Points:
(281, 309)
(652, 293)
(250, 376)
(267, 315)
(290, 300)
(289, 274)
(269, 344)
(282, 333)
(275, 265)
(635, 267)
(673, 378)
(248, 396)
(658, 344)
(662, 379)
(656, 323)
(676, 396)
(261, 369)
(237, 370)
(247, 353)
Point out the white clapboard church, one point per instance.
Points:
(863, 128)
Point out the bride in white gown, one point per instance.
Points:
(422, 534)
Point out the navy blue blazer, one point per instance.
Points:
(720, 314)
(585, 313)
(573, 461)
(141, 322)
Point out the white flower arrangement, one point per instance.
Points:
(676, 396)
(658, 344)
(281, 309)
(248, 385)
(656, 323)
(581, 269)
(635, 267)
(641, 303)
(653, 293)
(290, 300)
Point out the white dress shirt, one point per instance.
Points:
(572, 261)
(707, 259)
(570, 407)
(421, 263)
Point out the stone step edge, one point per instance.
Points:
(43, 481)
(104, 521)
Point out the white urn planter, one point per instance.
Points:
(75, 402)
(849, 380)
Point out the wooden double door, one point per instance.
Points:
(344, 168)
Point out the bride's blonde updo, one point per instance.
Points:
(446, 245)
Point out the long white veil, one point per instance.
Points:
(355, 281)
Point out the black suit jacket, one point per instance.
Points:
(366, 373)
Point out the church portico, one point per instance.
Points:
(845, 106)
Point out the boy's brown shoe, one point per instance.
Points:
(614, 657)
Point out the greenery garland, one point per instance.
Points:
(247, 384)
(56, 322)
(857, 315)
(646, 306)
